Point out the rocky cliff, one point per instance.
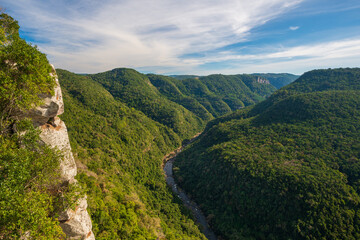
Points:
(76, 224)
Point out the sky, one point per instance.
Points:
(192, 36)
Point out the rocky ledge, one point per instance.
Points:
(76, 224)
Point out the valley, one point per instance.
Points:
(136, 124)
(191, 205)
(122, 154)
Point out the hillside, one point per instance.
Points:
(135, 90)
(287, 168)
(121, 123)
(182, 77)
(278, 80)
(213, 95)
(38, 195)
(119, 152)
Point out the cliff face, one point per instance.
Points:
(76, 224)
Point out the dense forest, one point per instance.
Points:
(119, 152)
(278, 80)
(286, 168)
(214, 95)
(121, 123)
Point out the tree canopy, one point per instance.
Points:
(25, 72)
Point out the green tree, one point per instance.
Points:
(30, 192)
(24, 72)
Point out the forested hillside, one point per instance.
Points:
(287, 168)
(136, 90)
(213, 95)
(121, 123)
(119, 152)
(278, 80)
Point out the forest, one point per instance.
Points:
(121, 123)
(278, 157)
(286, 168)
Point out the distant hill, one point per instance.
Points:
(182, 77)
(278, 80)
(213, 95)
(137, 91)
(286, 168)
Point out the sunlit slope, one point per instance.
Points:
(119, 151)
(213, 95)
(287, 168)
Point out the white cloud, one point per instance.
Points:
(343, 53)
(293, 28)
(92, 36)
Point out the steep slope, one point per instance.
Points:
(214, 95)
(39, 197)
(176, 92)
(136, 90)
(119, 154)
(287, 168)
(278, 80)
(121, 123)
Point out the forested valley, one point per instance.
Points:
(121, 123)
(285, 168)
(277, 157)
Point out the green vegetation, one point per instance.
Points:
(25, 72)
(136, 90)
(119, 152)
(213, 95)
(121, 123)
(182, 77)
(287, 168)
(30, 195)
(278, 80)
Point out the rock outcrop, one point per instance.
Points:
(262, 80)
(76, 224)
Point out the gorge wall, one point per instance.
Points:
(76, 223)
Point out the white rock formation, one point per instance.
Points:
(76, 224)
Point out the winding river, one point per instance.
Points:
(191, 205)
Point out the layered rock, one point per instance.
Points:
(76, 224)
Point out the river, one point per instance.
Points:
(191, 205)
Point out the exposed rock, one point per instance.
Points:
(76, 224)
(262, 80)
(56, 135)
(52, 106)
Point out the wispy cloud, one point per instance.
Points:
(92, 36)
(344, 53)
(167, 36)
(293, 28)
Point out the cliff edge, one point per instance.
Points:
(76, 224)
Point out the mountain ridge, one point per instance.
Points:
(284, 168)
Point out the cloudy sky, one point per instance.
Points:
(192, 36)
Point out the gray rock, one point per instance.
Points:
(56, 136)
(52, 106)
(76, 224)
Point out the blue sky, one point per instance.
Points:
(192, 37)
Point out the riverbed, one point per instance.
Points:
(191, 205)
